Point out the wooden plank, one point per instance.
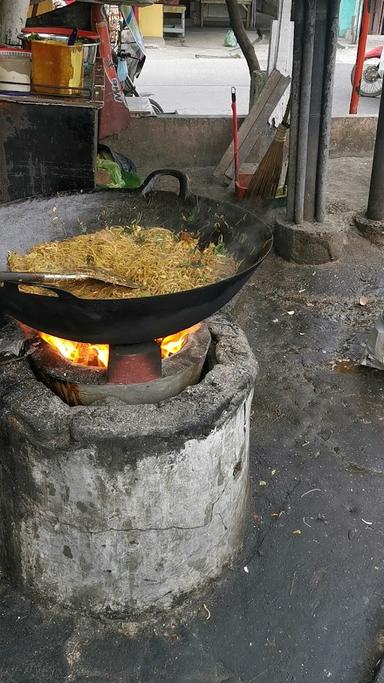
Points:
(280, 47)
(269, 97)
(258, 81)
(248, 122)
(262, 144)
(261, 126)
(273, 42)
(281, 53)
(56, 101)
(257, 130)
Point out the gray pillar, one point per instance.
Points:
(298, 18)
(316, 23)
(314, 119)
(13, 15)
(326, 110)
(375, 209)
(304, 143)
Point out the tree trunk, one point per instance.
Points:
(241, 35)
(13, 15)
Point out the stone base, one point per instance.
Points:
(118, 509)
(310, 242)
(372, 230)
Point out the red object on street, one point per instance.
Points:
(375, 52)
(360, 57)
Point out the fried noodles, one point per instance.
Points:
(156, 259)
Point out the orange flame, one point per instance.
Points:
(78, 352)
(175, 342)
(97, 355)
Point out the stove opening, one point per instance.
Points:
(147, 372)
(97, 355)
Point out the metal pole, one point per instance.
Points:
(360, 57)
(326, 107)
(305, 101)
(375, 210)
(13, 15)
(298, 18)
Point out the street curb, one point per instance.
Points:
(371, 230)
(310, 243)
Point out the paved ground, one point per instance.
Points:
(195, 76)
(305, 601)
(347, 192)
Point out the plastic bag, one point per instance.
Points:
(109, 174)
(122, 70)
(230, 39)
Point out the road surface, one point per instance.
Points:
(195, 78)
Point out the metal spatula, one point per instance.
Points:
(98, 274)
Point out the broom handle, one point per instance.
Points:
(234, 133)
(286, 115)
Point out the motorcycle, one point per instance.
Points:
(129, 55)
(372, 77)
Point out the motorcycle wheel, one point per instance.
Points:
(156, 107)
(371, 82)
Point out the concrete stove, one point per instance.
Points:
(116, 509)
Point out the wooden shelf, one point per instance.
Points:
(94, 101)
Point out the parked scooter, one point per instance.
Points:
(129, 55)
(372, 77)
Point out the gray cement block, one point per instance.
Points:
(310, 242)
(372, 230)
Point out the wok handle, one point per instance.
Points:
(184, 187)
(13, 282)
(30, 278)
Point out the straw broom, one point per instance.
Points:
(265, 180)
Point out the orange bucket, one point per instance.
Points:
(57, 68)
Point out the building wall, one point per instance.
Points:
(270, 7)
(151, 21)
(376, 24)
(347, 12)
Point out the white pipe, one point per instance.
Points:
(13, 15)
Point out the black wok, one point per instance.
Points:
(127, 321)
